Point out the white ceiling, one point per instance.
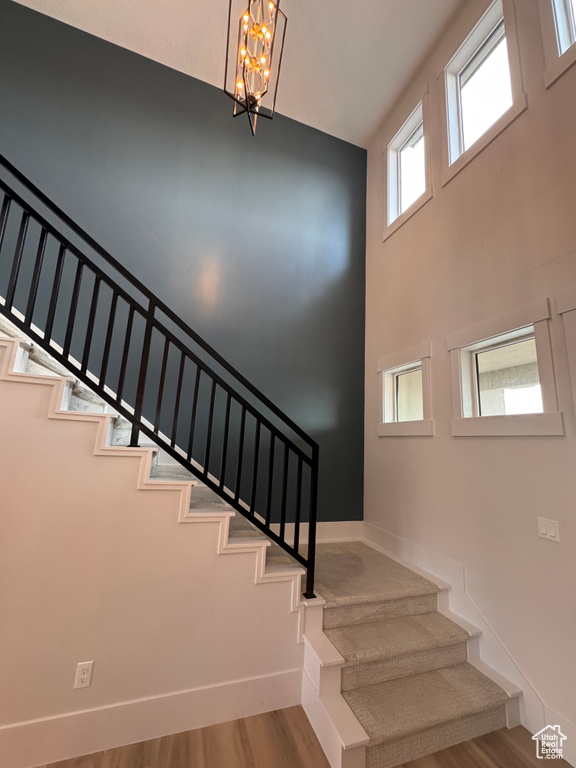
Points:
(345, 62)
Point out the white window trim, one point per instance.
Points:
(387, 368)
(419, 114)
(556, 63)
(551, 421)
(452, 161)
(566, 306)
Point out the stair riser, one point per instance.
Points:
(394, 753)
(364, 613)
(361, 675)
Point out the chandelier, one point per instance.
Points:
(253, 57)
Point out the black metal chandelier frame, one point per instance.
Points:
(249, 103)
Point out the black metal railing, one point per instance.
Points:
(77, 302)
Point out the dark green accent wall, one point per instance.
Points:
(258, 244)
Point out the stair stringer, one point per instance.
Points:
(337, 728)
(15, 359)
(12, 370)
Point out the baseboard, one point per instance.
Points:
(345, 530)
(569, 730)
(38, 742)
(493, 651)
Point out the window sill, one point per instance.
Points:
(403, 218)
(528, 424)
(499, 126)
(423, 428)
(561, 65)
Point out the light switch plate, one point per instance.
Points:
(548, 529)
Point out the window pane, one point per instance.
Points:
(486, 94)
(508, 380)
(412, 170)
(409, 404)
(572, 20)
(565, 12)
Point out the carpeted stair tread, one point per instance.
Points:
(364, 613)
(360, 575)
(241, 528)
(410, 705)
(277, 556)
(388, 638)
(171, 472)
(201, 498)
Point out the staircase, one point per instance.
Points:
(82, 399)
(410, 674)
(85, 310)
(105, 557)
(388, 677)
(409, 682)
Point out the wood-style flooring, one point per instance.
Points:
(512, 748)
(285, 739)
(281, 739)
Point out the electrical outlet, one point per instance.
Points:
(83, 674)
(548, 529)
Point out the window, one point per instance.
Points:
(408, 400)
(483, 86)
(565, 19)
(408, 183)
(566, 304)
(558, 19)
(411, 169)
(506, 376)
(405, 389)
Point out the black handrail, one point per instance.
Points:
(113, 334)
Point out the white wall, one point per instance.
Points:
(93, 568)
(500, 234)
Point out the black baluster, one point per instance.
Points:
(142, 375)
(240, 454)
(270, 479)
(55, 291)
(161, 386)
(17, 260)
(73, 308)
(4, 217)
(125, 353)
(284, 494)
(298, 505)
(90, 329)
(255, 468)
(35, 277)
(210, 421)
(225, 442)
(177, 401)
(311, 554)
(108, 342)
(193, 414)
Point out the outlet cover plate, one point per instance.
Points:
(83, 677)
